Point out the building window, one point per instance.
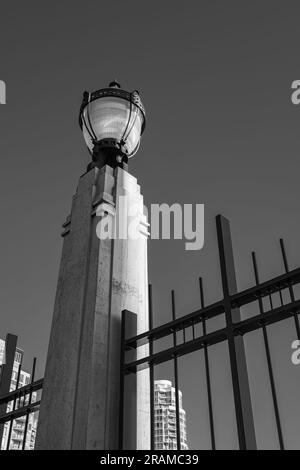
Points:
(18, 357)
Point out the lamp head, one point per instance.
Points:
(112, 121)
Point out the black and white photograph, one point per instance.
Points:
(150, 229)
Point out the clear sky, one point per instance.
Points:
(215, 79)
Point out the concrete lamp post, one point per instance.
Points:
(98, 279)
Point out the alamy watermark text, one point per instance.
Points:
(130, 221)
(2, 92)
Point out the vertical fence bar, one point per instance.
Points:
(239, 373)
(176, 377)
(151, 372)
(207, 372)
(269, 360)
(280, 296)
(29, 403)
(13, 408)
(287, 269)
(271, 301)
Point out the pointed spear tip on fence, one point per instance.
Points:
(220, 217)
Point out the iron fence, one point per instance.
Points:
(18, 404)
(25, 400)
(233, 333)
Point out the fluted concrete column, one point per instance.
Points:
(98, 278)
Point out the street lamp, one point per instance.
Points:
(112, 121)
(95, 260)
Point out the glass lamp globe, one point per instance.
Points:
(112, 121)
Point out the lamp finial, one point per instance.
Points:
(114, 84)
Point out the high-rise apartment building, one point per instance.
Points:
(165, 434)
(18, 424)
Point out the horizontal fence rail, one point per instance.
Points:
(245, 326)
(236, 300)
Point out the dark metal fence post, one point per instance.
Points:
(176, 377)
(128, 387)
(207, 372)
(122, 383)
(6, 374)
(151, 367)
(269, 360)
(29, 403)
(240, 381)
